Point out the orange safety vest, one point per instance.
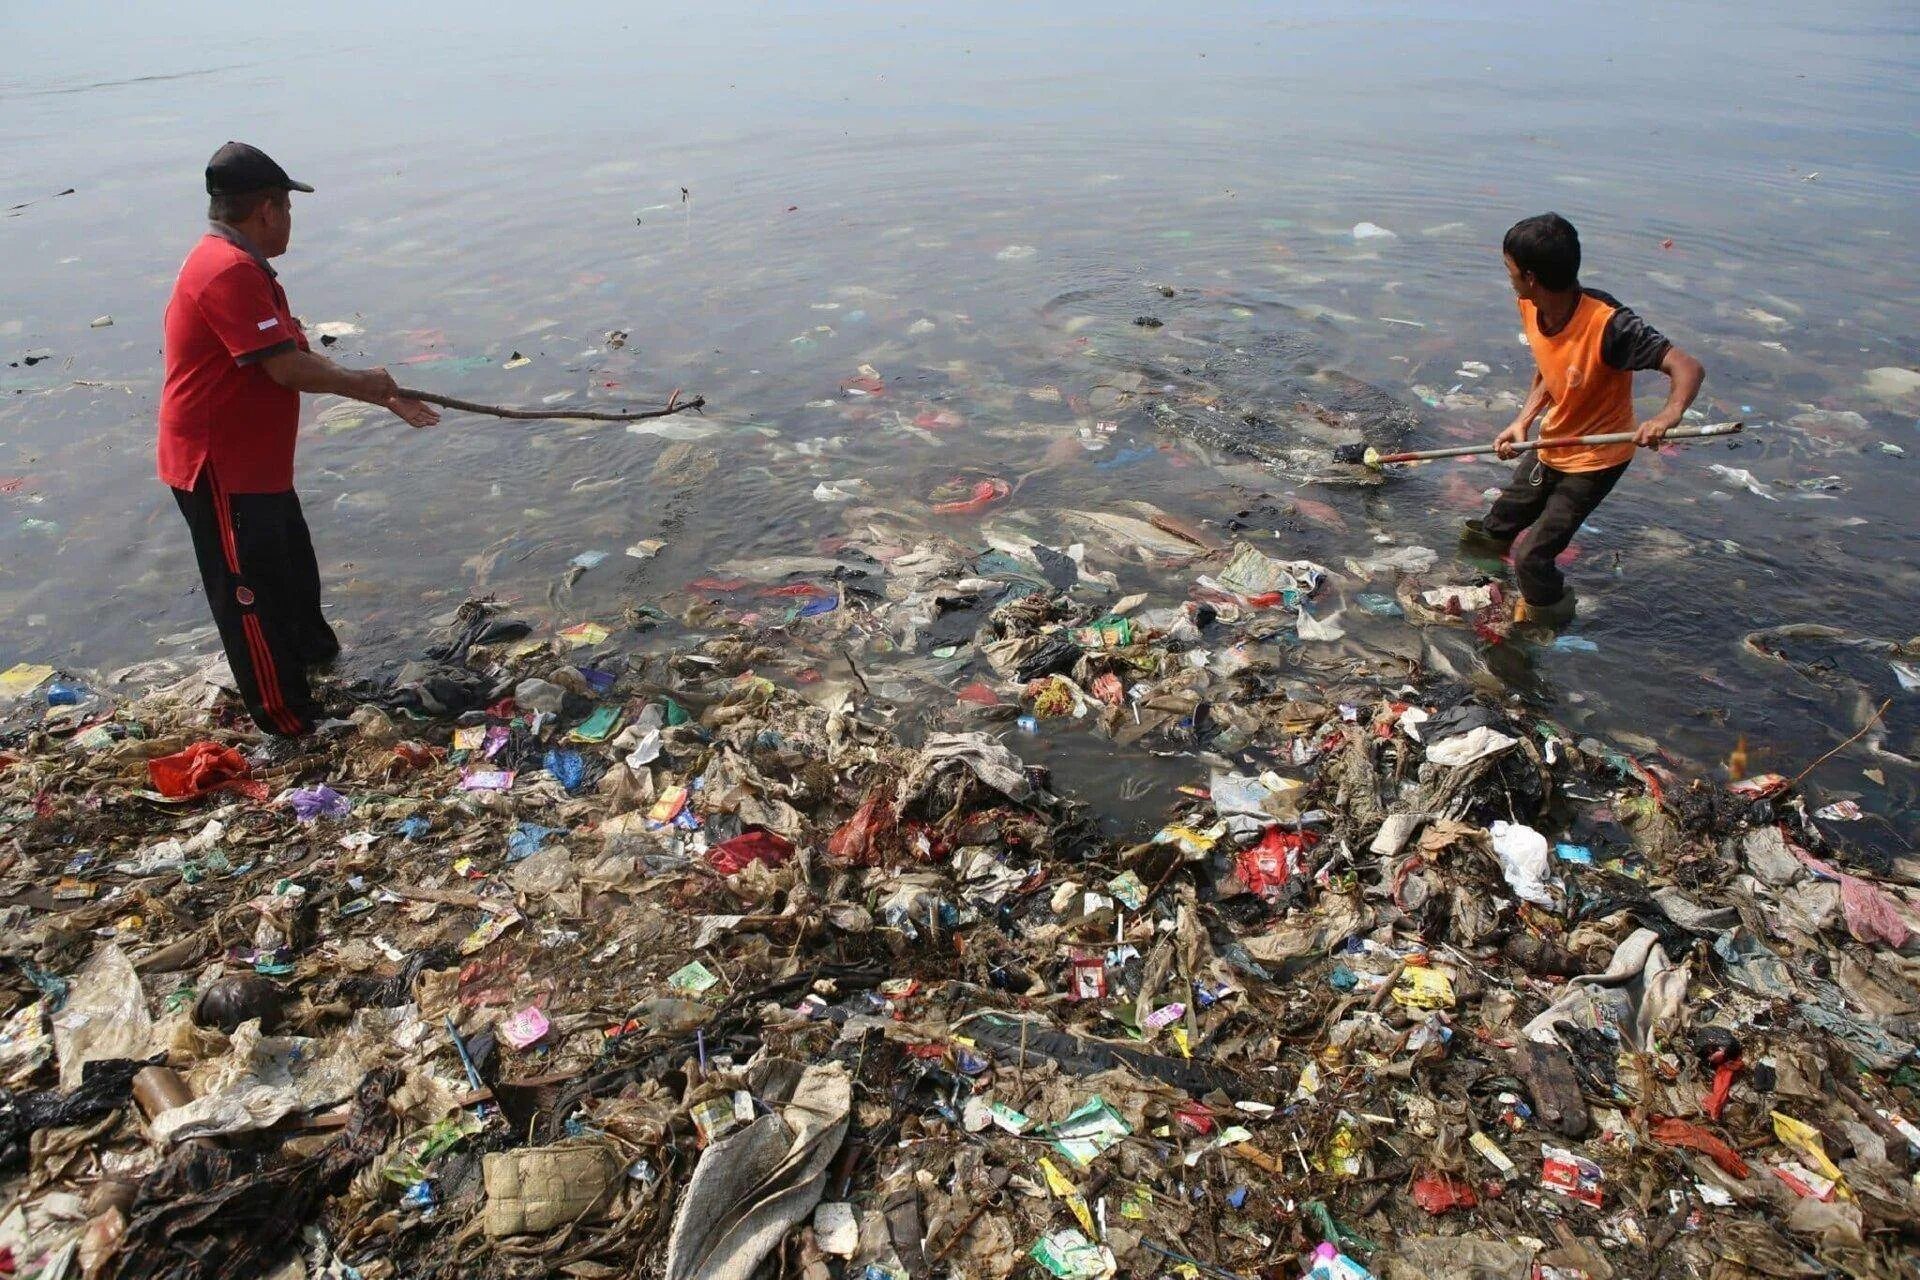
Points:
(1589, 395)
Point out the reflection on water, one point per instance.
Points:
(976, 206)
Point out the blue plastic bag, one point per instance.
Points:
(566, 766)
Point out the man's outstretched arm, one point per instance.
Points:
(305, 371)
(1685, 374)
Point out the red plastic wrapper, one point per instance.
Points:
(415, 755)
(1571, 1175)
(203, 768)
(1195, 1117)
(1265, 867)
(754, 845)
(861, 839)
(979, 694)
(1676, 1132)
(1716, 1101)
(1437, 1193)
(983, 495)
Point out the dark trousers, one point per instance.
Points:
(263, 585)
(1549, 506)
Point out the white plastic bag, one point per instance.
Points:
(1523, 858)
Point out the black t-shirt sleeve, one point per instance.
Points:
(1632, 343)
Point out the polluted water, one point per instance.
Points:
(993, 794)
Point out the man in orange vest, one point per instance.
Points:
(1586, 349)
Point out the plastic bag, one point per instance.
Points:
(320, 801)
(571, 770)
(105, 1084)
(757, 845)
(1465, 748)
(201, 769)
(1057, 653)
(526, 840)
(1266, 867)
(1325, 629)
(105, 1016)
(982, 495)
(1523, 858)
(860, 837)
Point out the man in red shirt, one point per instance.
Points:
(237, 362)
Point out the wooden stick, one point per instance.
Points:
(1247, 1151)
(1386, 988)
(1704, 432)
(674, 405)
(1859, 734)
(965, 1227)
(848, 654)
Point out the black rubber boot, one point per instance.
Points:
(1475, 540)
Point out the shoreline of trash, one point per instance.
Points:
(558, 957)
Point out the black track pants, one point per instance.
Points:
(1551, 504)
(263, 585)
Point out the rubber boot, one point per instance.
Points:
(1557, 614)
(1476, 541)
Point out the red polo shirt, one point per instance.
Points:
(219, 408)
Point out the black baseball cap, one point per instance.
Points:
(237, 169)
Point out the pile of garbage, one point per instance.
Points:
(559, 956)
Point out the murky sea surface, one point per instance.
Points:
(899, 246)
